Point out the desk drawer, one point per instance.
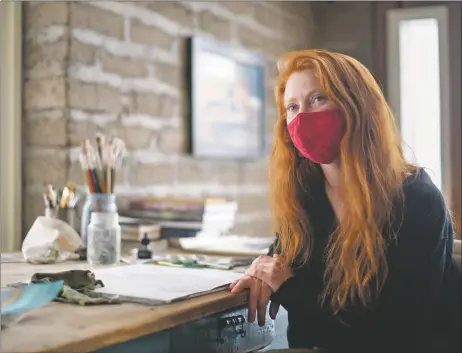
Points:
(227, 332)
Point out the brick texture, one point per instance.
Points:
(150, 35)
(119, 68)
(126, 67)
(46, 14)
(44, 94)
(82, 53)
(46, 60)
(85, 16)
(88, 96)
(46, 128)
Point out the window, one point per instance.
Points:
(418, 84)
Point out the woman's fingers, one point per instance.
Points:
(258, 279)
(259, 297)
(271, 271)
(241, 284)
(254, 285)
(265, 295)
(262, 272)
(273, 311)
(253, 298)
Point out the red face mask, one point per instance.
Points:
(317, 135)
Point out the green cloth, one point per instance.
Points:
(79, 286)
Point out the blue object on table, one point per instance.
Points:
(18, 300)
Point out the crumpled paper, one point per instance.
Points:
(50, 240)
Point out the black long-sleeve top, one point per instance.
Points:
(418, 310)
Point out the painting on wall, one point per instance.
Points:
(227, 102)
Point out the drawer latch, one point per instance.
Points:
(237, 323)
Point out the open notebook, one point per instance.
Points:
(153, 284)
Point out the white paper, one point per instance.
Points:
(11, 258)
(228, 244)
(154, 284)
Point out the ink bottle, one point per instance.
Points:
(144, 253)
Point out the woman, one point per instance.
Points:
(363, 257)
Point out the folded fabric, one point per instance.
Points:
(18, 301)
(78, 288)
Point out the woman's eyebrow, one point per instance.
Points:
(305, 95)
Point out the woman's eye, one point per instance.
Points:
(291, 107)
(318, 99)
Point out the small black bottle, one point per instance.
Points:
(144, 253)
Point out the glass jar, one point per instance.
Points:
(51, 212)
(104, 239)
(66, 215)
(95, 203)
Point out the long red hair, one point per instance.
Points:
(373, 169)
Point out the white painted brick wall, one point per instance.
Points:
(295, 19)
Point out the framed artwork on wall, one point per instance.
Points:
(227, 101)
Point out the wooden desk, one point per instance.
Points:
(168, 328)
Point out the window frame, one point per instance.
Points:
(11, 125)
(441, 14)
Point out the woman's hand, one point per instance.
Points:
(270, 270)
(259, 297)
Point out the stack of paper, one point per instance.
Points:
(153, 284)
(227, 244)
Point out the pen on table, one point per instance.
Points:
(214, 266)
(166, 263)
(191, 264)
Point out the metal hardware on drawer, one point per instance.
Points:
(207, 334)
(234, 321)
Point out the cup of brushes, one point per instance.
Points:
(100, 165)
(61, 204)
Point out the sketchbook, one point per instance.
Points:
(154, 284)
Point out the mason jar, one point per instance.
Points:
(95, 203)
(104, 237)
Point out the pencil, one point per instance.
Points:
(112, 173)
(109, 180)
(91, 159)
(101, 164)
